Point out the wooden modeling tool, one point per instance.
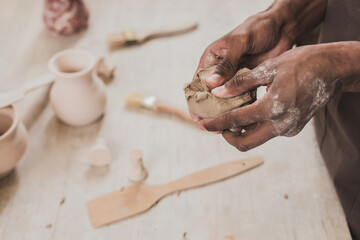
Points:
(128, 37)
(99, 155)
(138, 198)
(8, 98)
(104, 71)
(152, 103)
(137, 172)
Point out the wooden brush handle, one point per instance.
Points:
(117, 39)
(165, 108)
(213, 174)
(171, 31)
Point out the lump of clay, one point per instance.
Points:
(202, 103)
(65, 17)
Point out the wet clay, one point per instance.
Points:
(202, 103)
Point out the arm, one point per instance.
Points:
(299, 17)
(350, 71)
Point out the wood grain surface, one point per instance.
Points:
(289, 197)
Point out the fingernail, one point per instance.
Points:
(201, 127)
(217, 132)
(195, 117)
(213, 80)
(219, 91)
(234, 130)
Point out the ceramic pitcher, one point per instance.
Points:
(13, 139)
(78, 96)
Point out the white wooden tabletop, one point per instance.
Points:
(289, 197)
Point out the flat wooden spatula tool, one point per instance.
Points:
(138, 198)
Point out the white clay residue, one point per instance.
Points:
(265, 71)
(278, 108)
(288, 126)
(322, 95)
(295, 120)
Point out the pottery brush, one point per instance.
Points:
(129, 37)
(139, 100)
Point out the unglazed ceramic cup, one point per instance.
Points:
(13, 140)
(78, 96)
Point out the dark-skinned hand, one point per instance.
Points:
(300, 82)
(258, 38)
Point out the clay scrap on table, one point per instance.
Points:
(104, 71)
(202, 103)
(65, 17)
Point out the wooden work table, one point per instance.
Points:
(289, 197)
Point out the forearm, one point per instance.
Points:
(298, 17)
(337, 63)
(349, 71)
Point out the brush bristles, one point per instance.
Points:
(140, 100)
(134, 99)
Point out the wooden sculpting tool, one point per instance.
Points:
(104, 71)
(118, 39)
(137, 172)
(138, 198)
(152, 103)
(10, 97)
(99, 155)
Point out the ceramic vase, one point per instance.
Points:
(13, 140)
(78, 96)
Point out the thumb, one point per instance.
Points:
(241, 83)
(223, 71)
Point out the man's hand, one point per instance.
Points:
(255, 40)
(260, 37)
(300, 82)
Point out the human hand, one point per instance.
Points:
(300, 82)
(258, 38)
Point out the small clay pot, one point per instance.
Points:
(13, 139)
(78, 96)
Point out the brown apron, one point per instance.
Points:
(338, 124)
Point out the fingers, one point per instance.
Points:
(225, 55)
(194, 117)
(254, 60)
(236, 119)
(252, 138)
(242, 83)
(224, 71)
